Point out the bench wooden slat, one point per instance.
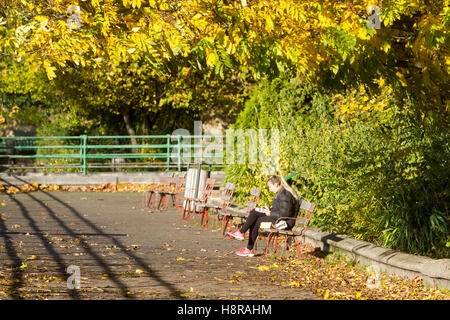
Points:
(239, 214)
(305, 205)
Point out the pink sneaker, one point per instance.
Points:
(236, 234)
(244, 252)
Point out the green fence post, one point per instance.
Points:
(168, 152)
(179, 153)
(83, 153)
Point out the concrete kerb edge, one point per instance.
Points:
(433, 272)
(78, 179)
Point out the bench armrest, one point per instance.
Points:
(302, 220)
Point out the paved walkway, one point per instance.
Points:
(122, 251)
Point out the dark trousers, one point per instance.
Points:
(252, 223)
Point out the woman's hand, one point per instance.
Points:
(266, 210)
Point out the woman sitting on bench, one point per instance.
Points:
(285, 204)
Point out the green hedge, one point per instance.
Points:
(382, 178)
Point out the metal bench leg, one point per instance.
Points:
(161, 201)
(298, 246)
(205, 217)
(161, 198)
(147, 197)
(275, 244)
(227, 221)
(151, 200)
(202, 216)
(189, 211)
(269, 240)
(194, 212)
(166, 200)
(174, 201)
(185, 207)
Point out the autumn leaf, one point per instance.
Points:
(49, 70)
(263, 268)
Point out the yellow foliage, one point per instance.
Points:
(49, 70)
(358, 102)
(305, 36)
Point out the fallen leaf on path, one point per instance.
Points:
(263, 268)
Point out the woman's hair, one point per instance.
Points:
(279, 180)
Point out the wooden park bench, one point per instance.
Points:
(232, 211)
(290, 238)
(191, 203)
(162, 189)
(225, 199)
(169, 189)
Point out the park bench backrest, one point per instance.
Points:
(180, 183)
(227, 193)
(305, 212)
(253, 200)
(167, 184)
(167, 181)
(206, 192)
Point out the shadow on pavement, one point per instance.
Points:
(101, 262)
(17, 276)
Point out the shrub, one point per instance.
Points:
(378, 173)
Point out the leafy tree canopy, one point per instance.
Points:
(122, 55)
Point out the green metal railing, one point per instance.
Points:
(96, 153)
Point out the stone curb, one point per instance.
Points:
(433, 271)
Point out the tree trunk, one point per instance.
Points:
(145, 125)
(129, 127)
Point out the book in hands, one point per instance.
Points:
(268, 225)
(281, 225)
(262, 210)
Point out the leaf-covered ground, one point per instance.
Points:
(105, 187)
(44, 232)
(334, 276)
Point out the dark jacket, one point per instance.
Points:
(285, 205)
